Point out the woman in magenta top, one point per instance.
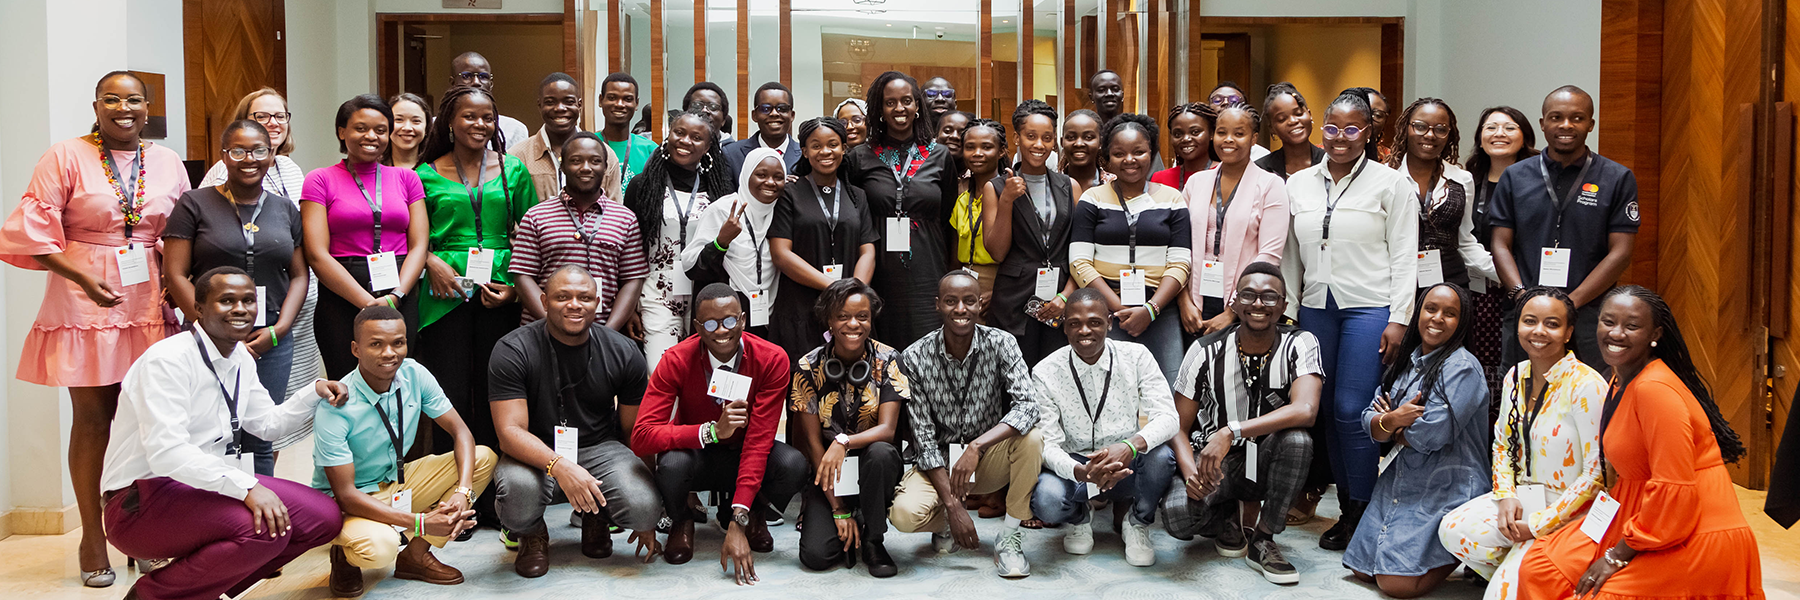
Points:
(360, 261)
(96, 203)
(1240, 216)
(1191, 129)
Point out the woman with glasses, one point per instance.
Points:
(1242, 212)
(1352, 259)
(1292, 123)
(1424, 152)
(240, 223)
(91, 216)
(681, 179)
(412, 118)
(1505, 138)
(854, 113)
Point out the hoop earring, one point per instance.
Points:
(706, 162)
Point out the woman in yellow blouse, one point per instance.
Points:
(983, 151)
(1546, 455)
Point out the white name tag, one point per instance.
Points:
(678, 280)
(1093, 490)
(847, 478)
(1553, 270)
(1250, 455)
(1532, 498)
(759, 309)
(481, 265)
(956, 452)
(262, 302)
(899, 234)
(1322, 274)
(1387, 460)
(1046, 282)
(1478, 284)
(834, 271)
(384, 272)
(246, 462)
(1131, 287)
(1212, 278)
(134, 264)
(1431, 268)
(568, 442)
(1600, 517)
(401, 501)
(728, 386)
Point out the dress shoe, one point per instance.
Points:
(596, 536)
(416, 563)
(346, 579)
(1338, 537)
(876, 557)
(533, 559)
(758, 535)
(680, 546)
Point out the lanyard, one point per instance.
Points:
(250, 229)
(750, 228)
(565, 394)
(1105, 390)
(279, 180)
(973, 214)
(1131, 221)
(831, 216)
(681, 211)
(1557, 205)
(374, 202)
(630, 142)
(395, 432)
(474, 191)
(129, 188)
(901, 176)
(1220, 203)
(580, 220)
(1331, 204)
(235, 448)
(1047, 217)
(1530, 420)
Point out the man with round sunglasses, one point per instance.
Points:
(773, 113)
(940, 98)
(709, 419)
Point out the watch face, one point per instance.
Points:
(741, 518)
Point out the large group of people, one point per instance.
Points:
(898, 312)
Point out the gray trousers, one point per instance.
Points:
(1283, 459)
(523, 491)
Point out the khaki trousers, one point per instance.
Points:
(373, 544)
(1013, 464)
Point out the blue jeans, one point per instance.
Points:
(1057, 501)
(1163, 338)
(272, 369)
(1349, 349)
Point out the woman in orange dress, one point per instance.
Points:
(91, 199)
(1679, 532)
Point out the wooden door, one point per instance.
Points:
(413, 56)
(233, 47)
(1784, 282)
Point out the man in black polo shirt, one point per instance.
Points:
(553, 384)
(1566, 219)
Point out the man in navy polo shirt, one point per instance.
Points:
(1566, 219)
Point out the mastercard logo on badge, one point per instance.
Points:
(1590, 188)
(122, 251)
(1548, 252)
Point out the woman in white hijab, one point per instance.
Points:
(731, 244)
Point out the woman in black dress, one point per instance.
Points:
(821, 232)
(908, 181)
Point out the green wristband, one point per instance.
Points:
(1128, 445)
(1060, 297)
(842, 516)
(716, 245)
(274, 339)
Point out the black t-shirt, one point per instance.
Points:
(529, 364)
(1606, 203)
(205, 217)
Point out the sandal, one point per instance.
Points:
(98, 578)
(1032, 523)
(1305, 508)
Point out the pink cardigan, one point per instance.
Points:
(1256, 223)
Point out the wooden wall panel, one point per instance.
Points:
(657, 79)
(229, 50)
(743, 64)
(700, 41)
(1071, 53)
(615, 26)
(571, 42)
(1027, 52)
(787, 41)
(1786, 346)
(1630, 113)
(984, 90)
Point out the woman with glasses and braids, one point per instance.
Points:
(1431, 411)
(1424, 151)
(1190, 133)
(1678, 531)
(1546, 457)
(679, 181)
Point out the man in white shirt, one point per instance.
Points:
(1097, 391)
(471, 68)
(177, 482)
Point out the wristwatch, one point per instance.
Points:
(397, 293)
(466, 492)
(842, 440)
(741, 517)
(1237, 431)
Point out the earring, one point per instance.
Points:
(1653, 343)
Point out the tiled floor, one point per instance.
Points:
(34, 567)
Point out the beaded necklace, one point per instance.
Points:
(132, 208)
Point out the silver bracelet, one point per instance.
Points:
(1616, 563)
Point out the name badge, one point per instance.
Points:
(1478, 284)
(1093, 490)
(481, 265)
(678, 280)
(1250, 456)
(1600, 517)
(759, 309)
(847, 478)
(401, 501)
(246, 462)
(899, 234)
(568, 442)
(262, 302)
(134, 264)
(728, 386)
(1387, 460)
(1532, 497)
(1322, 274)
(1212, 279)
(1553, 268)
(1431, 268)
(1046, 282)
(956, 452)
(384, 272)
(834, 271)
(1131, 287)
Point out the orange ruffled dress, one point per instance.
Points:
(69, 207)
(1677, 508)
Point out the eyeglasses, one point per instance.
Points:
(258, 153)
(774, 108)
(943, 93)
(856, 120)
(713, 325)
(1420, 128)
(1249, 298)
(131, 103)
(1227, 98)
(705, 106)
(1500, 127)
(271, 117)
(1332, 131)
(468, 75)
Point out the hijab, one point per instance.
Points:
(743, 255)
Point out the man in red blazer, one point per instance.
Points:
(716, 431)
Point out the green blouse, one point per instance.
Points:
(503, 203)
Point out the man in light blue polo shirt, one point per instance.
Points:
(357, 457)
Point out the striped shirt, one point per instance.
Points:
(547, 240)
(1103, 232)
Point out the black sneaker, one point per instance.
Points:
(1231, 542)
(1265, 556)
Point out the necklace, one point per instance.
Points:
(131, 207)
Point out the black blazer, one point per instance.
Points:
(735, 152)
(1017, 279)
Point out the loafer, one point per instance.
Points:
(596, 537)
(417, 564)
(758, 535)
(533, 559)
(875, 555)
(346, 578)
(680, 546)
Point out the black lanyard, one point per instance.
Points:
(1220, 203)
(1131, 221)
(235, 447)
(1048, 220)
(398, 429)
(579, 220)
(1558, 206)
(750, 228)
(565, 394)
(831, 216)
(127, 194)
(250, 230)
(474, 191)
(1529, 420)
(279, 180)
(374, 203)
(1331, 204)
(974, 216)
(682, 212)
(1105, 390)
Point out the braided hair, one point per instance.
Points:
(1277, 90)
(1397, 148)
(439, 141)
(812, 126)
(1673, 351)
(999, 132)
(922, 128)
(1125, 122)
(1206, 112)
(1249, 111)
(645, 199)
(1516, 418)
(1033, 106)
(1434, 363)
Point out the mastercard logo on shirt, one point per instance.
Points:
(1590, 188)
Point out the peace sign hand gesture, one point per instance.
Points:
(734, 223)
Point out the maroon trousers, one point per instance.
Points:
(211, 537)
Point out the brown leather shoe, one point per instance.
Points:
(346, 579)
(416, 563)
(533, 559)
(992, 505)
(758, 534)
(680, 547)
(596, 536)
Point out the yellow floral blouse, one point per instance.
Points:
(813, 394)
(1564, 450)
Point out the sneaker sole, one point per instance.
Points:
(1149, 562)
(1012, 574)
(1282, 578)
(1079, 551)
(1232, 552)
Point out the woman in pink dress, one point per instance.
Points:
(91, 216)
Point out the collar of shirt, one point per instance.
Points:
(1102, 365)
(1557, 168)
(1440, 191)
(715, 363)
(360, 390)
(782, 149)
(943, 349)
(569, 201)
(226, 365)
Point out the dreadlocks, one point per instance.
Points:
(645, 194)
(438, 141)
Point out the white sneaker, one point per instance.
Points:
(943, 542)
(1138, 551)
(1009, 554)
(1079, 539)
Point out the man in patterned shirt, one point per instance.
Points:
(581, 228)
(973, 407)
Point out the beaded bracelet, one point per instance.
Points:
(552, 464)
(1152, 309)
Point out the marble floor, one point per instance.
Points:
(44, 567)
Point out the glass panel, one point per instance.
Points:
(1046, 59)
(765, 54)
(636, 50)
(721, 63)
(922, 38)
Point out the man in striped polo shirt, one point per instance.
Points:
(583, 229)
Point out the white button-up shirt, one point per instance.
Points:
(173, 422)
(1374, 241)
(1137, 393)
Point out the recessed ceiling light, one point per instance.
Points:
(1005, 21)
(890, 24)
